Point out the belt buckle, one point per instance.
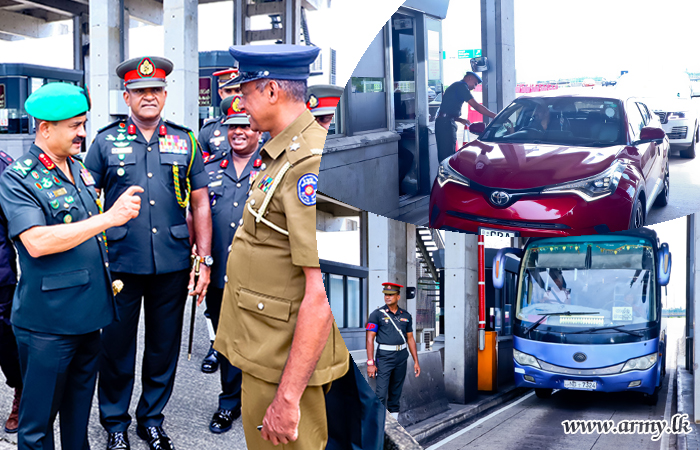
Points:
(398, 348)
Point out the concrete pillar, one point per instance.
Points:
(461, 317)
(694, 274)
(103, 61)
(240, 22)
(181, 47)
(498, 44)
(411, 274)
(386, 257)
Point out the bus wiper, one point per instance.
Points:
(545, 315)
(616, 328)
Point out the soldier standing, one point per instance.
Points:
(64, 295)
(322, 100)
(393, 329)
(276, 324)
(150, 254)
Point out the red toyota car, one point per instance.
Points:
(556, 163)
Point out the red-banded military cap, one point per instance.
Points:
(235, 115)
(391, 288)
(225, 75)
(322, 99)
(145, 72)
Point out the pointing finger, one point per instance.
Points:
(133, 190)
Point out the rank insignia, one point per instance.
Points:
(122, 127)
(132, 129)
(224, 164)
(306, 189)
(146, 68)
(162, 130)
(266, 183)
(46, 161)
(257, 163)
(28, 162)
(294, 147)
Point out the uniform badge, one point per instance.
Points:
(257, 163)
(306, 189)
(21, 169)
(294, 147)
(146, 68)
(56, 180)
(403, 320)
(172, 144)
(265, 184)
(68, 218)
(224, 164)
(132, 129)
(217, 141)
(38, 186)
(313, 101)
(35, 175)
(46, 161)
(46, 183)
(217, 132)
(87, 177)
(57, 193)
(55, 204)
(372, 327)
(236, 104)
(121, 172)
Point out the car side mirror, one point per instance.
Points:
(477, 128)
(664, 269)
(649, 134)
(499, 265)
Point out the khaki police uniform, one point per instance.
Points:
(266, 283)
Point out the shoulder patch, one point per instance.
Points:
(306, 189)
(110, 125)
(179, 127)
(24, 165)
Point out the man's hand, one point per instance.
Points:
(281, 422)
(372, 371)
(126, 207)
(202, 282)
(464, 122)
(416, 368)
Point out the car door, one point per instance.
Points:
(647, 151)
(656, 172)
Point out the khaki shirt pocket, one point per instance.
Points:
(265, 305)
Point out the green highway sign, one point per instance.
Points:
(468, 54)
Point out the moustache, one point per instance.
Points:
(78, 140)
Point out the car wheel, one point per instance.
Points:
(689, 153)
(637, 219)
(543, 393)
(662, 199)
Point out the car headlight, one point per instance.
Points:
(595, 187)
(675, 115)
(446, 174)
(524, 359)
(642, 363)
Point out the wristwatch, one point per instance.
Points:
(207, 260)
(370, 362)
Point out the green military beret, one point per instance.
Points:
(57, 101)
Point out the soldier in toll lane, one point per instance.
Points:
(393, 329)
(64, 295)
(150, 254)
(276, 324)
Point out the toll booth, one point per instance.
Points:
(500, 306)
(17, 82)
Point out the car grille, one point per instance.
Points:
(678, 133)
(662, 116)
(509, 223)
(585, 372)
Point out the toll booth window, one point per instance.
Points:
(404, 53)
(434, 60)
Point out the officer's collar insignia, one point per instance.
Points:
(46, 161)
(313, 101)
(146, 68)
(294, 147)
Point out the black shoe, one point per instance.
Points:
(223, 420)
(155, 437)
(210, 362)
(118, 441)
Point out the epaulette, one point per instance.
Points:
(7, 159)
(24, 165)
(110, 125)
(179, 127)
(298, 150)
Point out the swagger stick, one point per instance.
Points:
(196, 261)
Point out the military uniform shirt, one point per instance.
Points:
(213, 137)
(228, 193)
(453, 99)
(157, 241)
(266, 282)
(8, 256)
(62, 293)
(386, 333)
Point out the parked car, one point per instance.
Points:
(597, 165)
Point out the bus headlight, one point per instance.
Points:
(642, 363)
(525, 360)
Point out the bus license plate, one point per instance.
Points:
(587, 385)
(497, 233)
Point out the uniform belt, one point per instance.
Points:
(443, 115)
(392, 348)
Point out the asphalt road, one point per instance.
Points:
(685, 185)
(531, 422)
(188, 413)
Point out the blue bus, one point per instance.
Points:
(588, 313)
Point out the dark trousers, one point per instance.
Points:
(59, 373)
(9, 359)
(164, 298)
(391, 373)
(445, 137)
(355, 414)
(231, 377)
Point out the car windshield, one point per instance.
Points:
(609, 283)
(578, 121)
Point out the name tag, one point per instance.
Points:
(57, 193)
(118, 151)
(173, 144)
(216, 183)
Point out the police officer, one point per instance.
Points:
(9, 359)
(276, 324)
(152, 253)
(230, 175)
(451, 108)
(392, 327)
(322, 100)
(64, 295)
(214, 142)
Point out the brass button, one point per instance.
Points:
(121, 163)
(233, 225)
(154, 230)
(150, 175)
(149, 149)
(240, 222)
(152, 202)
(235, 204)
(90, 213)
(238, 185)
(261, 306)
(225, 278)
(229, 249)
(106, 264)
(252, 202)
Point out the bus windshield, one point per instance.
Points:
(608, 283)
